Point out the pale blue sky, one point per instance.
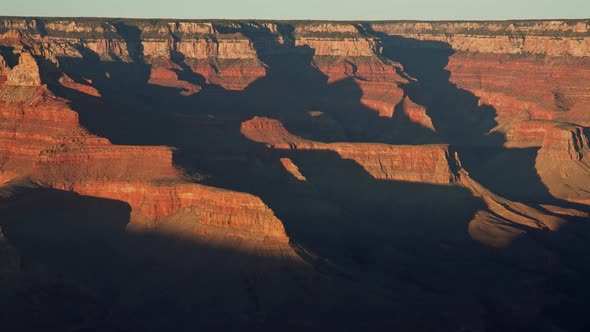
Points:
(303, 9)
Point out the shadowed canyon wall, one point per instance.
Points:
(417, 176)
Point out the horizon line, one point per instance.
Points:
(299, 19)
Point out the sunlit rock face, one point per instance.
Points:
(234, 170)
(42, 139)
(411, 163)
(562, 163)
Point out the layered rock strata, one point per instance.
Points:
(418, 163)
(493, 60)
(41, 139)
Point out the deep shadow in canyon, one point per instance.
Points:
(460, 120)
(82, 270)
(205, 127)
(405, 237)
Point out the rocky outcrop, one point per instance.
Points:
(32, 121)
(228, 60)
(209, 209)
(416, 113)
(413, 163)
(338, 40)
(272, 132)
(553, 38)
(6, 177)
(83, 87)
(563, 163)
(26, 73)
(341, 51)
(501, 223)
(292, 169)
(169, 78)
(231, 74)
(73, 162)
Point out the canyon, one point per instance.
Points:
(263, 175)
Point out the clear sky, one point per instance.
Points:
(304, 9)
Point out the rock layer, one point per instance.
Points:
(492, 60)
(413, 163)
(562, 163)
(553, 38)
(41, 138)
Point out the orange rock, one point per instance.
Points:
(292, 169)
(412, 163)
(230, 74)
(228, 211)
(560, 90)
(26, 73)
(417, 114)
(168, 78)
(534, 37)
(6, 177)
(41, 138)
(563, 163)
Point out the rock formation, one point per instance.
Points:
(42, 139)
(418, 163)
(562, 163)
(26, 73)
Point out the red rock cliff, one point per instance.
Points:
(563, 163)
(495, 61)
(41, 138)
(411, 163)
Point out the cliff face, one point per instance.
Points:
(231, 55)
(210, 210)
(562, 163)
(41, 139)
(344, 144)
(560, 92)
(356, 67)
(422, 163)
(552, 38)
